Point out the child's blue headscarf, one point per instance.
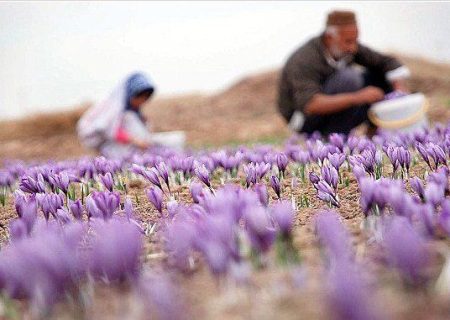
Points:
(137, 83)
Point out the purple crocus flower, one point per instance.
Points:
(17, 229)
(155, 196)
(405, 249)
(43, 267)
(86, 169)
(417, 186)
(332, 235)
(6, 178)
(440, 177)
(330, 175)
(232, 162)
(116, 250)
(203, 174)
(367, 159)
(263, 196)
(150, 175)
(367, 187)
(326, 193)
(270, 157)
(394, 95)
(62, 215)
(352, 143)
(444, 218)
(229, 201)
(76, 208)
(434, 193)
(173, 207)
(30, 185)
(314, 178)
(107, 181)
(103, 165)
(436, 153)
(384, 191)
(50, 203)
(337, 140)
(129, 214)
(137, 169)
(106, 203)
(216, 240)
(358, 171)
(378, 158)
(404, 158)
(392, 152)
(336, 159)
(208, 162)
(128, 209)
(196, 190)
(377, 193)
(283, 215)
(259, 229)
(423, 152)
(262, 169)
(323, 150)
(217, 256)
(403, 203)
(187, 165)
(300, 156)
(219, 157)
(163, 172)
(92, 210)
(318, 151)
(349, 295)
(178, 240)
(282, 162)
(426, 215)
(250, 172)
(60, 181)
(28, 213)
(276, 185)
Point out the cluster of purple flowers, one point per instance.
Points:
(255, 172)
(326, 185)
(399, 157)
(90, 221)
(432, 153)
(46, 261)
(222, 225)
(406, 249)
(348, 294)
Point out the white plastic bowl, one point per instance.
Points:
(406, 114)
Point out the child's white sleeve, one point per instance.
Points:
(135, 127)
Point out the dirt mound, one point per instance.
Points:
(246, 111)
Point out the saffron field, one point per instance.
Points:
(343, 228)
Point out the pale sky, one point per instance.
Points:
(56, 55)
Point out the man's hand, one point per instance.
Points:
(368, 95)
(400, 85)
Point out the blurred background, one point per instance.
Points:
(54, 55)
(215, 64)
